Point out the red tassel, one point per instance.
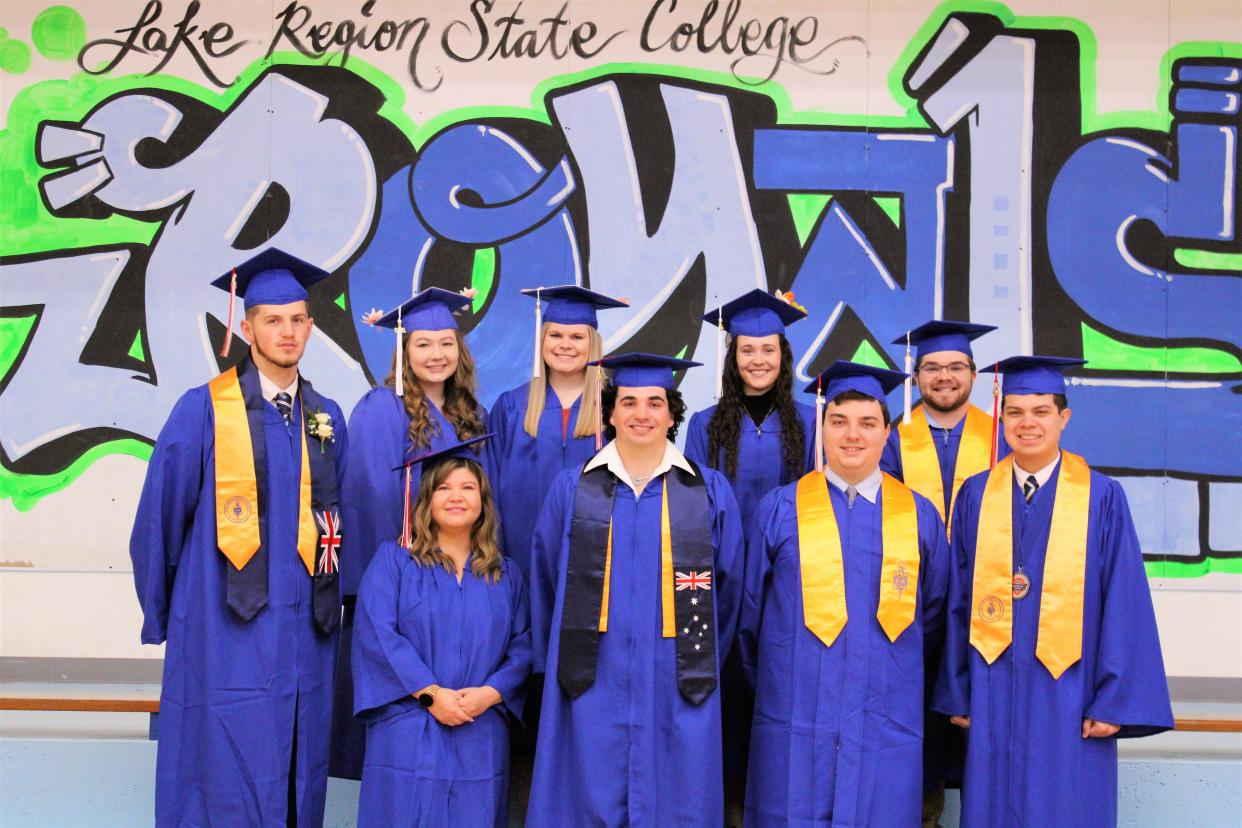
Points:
(407, 539)
(995, 414)
(228, 331)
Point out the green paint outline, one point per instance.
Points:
(26, 490)
(1193, 569)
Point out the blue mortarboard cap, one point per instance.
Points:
(431, 309)
(756, 313)
(573, 305)
(643, 370)
(272, 278)
(944, 335)
(1033, 374)
(853, 376)
(461, 449)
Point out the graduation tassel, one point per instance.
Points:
(537, 369)
(819, 426)
(995, 414)
(407, 539)
(909, 383)
(398, 385)
(599, 405)
(228, 331)
(720, 346)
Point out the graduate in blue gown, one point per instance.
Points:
(929, 445)
(248, 604)
(757, 434)
(760, 438)
(1052, 652)
(629, 627)
(548, 424)
(837, 661)
(428, 403)
(441, 654)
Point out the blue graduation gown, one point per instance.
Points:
(416, 626)
(630, 750)
(946, 453)
(234, 693)
(523, 467)
(760, 463)
(371, 510)
(838, 731)
(1026, 761)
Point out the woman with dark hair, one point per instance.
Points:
(549, 423)
(441, 653)
(427, 403)
(757, 434)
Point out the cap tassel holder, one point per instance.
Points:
(720, 347)
(995, 415)
(909, 382)
(537, 367)
(228, 330)
(407, 538)
(398, 385)
(819, 426)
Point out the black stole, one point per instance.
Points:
(247, 587)
(693, 555)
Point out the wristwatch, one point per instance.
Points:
(428, 696)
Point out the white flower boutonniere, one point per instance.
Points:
(319, 424)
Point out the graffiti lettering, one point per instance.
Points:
(145, 38)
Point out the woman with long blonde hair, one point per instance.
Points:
(426, 404)
(441, 655)
(549, 423)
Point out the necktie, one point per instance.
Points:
(1029, 487)
(284, 404)
(851, 492)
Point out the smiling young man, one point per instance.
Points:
(846, 575)
(635, 583)
(234, 550)
(1051, 650)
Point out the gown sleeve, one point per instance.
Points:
(386, 666)
(952, 694)
(730, 546)
(368, 514)
(170, 495)
(498, 424)
(934, 574)
(890, 460)
(696, 439)
(1130, 685)
(509, 678)
(547, 543)
(758, 575)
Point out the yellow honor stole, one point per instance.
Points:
(921, 465)
(823, 571)
(237, 498)
(1059, 642)
(667, 589)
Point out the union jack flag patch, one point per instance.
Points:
(693, 580)
(329, 521)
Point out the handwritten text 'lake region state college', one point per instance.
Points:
(758, 46)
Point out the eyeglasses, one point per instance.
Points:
(957, 369)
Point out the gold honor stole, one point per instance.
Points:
(667, 589)
(1059, 642)
(237, 497)
(823, 571)
(921, 465)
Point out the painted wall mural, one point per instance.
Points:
(1003, 196)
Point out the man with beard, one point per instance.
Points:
(944, 441)
(235, 560)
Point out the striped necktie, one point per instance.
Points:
(284, 404)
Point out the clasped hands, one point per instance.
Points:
(1091, 728)
(457, 707)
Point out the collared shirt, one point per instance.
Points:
(868, 488)
(610, 457)
(1020, 474)
(270, 390)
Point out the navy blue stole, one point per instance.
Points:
(693, 565)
